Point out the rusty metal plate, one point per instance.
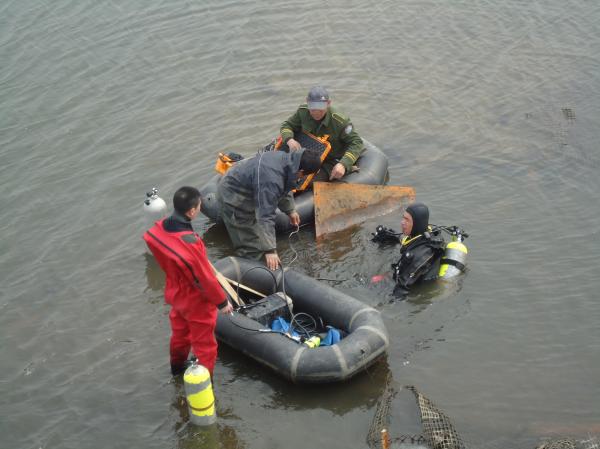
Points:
(339, 205)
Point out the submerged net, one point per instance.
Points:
(435, 429)
(381, 419)
(431, 428)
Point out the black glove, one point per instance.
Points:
(400, 293)
(384, 235)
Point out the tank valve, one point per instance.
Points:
(154, 206)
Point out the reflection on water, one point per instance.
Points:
(279, 393)
(333, 397)
(438, 290)
(216, 239)
(155, 276)
(189, 436)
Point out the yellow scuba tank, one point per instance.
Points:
(454, 259)
(199, 395)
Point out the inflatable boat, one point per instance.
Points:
(249, 330)
(372, 169)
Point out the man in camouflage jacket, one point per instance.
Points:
(319, 118)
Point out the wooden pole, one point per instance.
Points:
(227, 287)
(245, 287)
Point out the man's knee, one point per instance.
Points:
(248, 252)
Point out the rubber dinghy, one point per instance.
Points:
(373, 170)
(365, 336)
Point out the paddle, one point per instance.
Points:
(339, 205)
(245, 287)
(227, 286)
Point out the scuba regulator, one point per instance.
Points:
(383, 235)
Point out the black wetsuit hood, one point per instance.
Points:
(420, 215)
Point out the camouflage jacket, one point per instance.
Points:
(346, 144)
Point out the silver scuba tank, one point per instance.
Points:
(155, 207)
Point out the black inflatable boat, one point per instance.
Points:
(373, 170)
(247, 330)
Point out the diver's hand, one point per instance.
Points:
(294, 218)
(293, 144)
(272, 260)
(337, 172)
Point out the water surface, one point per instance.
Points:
(489, 109)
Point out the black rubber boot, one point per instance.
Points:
(177, 369)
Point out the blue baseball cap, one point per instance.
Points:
(317, 98)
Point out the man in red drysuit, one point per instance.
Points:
(191, 288)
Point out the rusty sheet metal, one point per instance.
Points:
(340, 205)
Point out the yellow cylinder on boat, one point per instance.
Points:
(454, 260)
(199, 395)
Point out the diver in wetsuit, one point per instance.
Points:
(420, 251)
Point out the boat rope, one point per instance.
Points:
(294, 232)
(259, 267)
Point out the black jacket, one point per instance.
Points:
(257, 186)
(419, 260)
